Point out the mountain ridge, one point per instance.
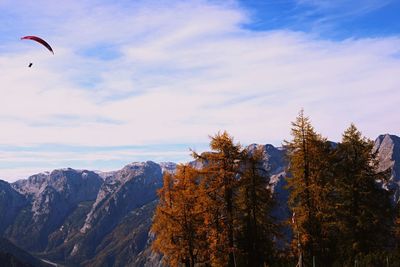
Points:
(96, 218)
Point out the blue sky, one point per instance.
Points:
(147, 80)
(335, 20)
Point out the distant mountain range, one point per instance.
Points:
(87, 218)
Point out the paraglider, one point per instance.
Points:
(40, 41)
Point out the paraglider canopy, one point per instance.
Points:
(39, 40)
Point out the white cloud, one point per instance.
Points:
(183, 71)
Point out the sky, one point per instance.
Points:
(150, 80)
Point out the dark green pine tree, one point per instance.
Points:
(363, 212)
(255, 226)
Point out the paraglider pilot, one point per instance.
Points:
(40, 41)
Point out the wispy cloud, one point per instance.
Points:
(348, 7)
(324, 16)
(17, 162)
(60, 120)
(147, 72)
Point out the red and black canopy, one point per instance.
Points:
(39, 40)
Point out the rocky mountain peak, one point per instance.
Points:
(273, 157)
(11, 202)
(74, 185)
(168, 167)
(132, 186)
(90, 218)
(142, 172)
(387, 148)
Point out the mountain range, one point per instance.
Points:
(87, 218)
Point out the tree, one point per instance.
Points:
(218, 212)
(220, 182)
(309, 182)
(256, 228)
(178, 219)
(363, 210)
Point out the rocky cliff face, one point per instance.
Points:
(122, 198)
(11, 203)
(275, 163)
(387, 148)
(81, 216)
(129, 188)
(85, 218)
(50, 197)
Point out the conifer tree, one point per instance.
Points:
(178, 220)
(309, 183)
(217, 213)
(363, 210)
(219, 186)
(256, 228)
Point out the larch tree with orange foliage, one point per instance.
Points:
(309, 182)
(178, 220)
(220, 172)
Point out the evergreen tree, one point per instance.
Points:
(363, 209)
